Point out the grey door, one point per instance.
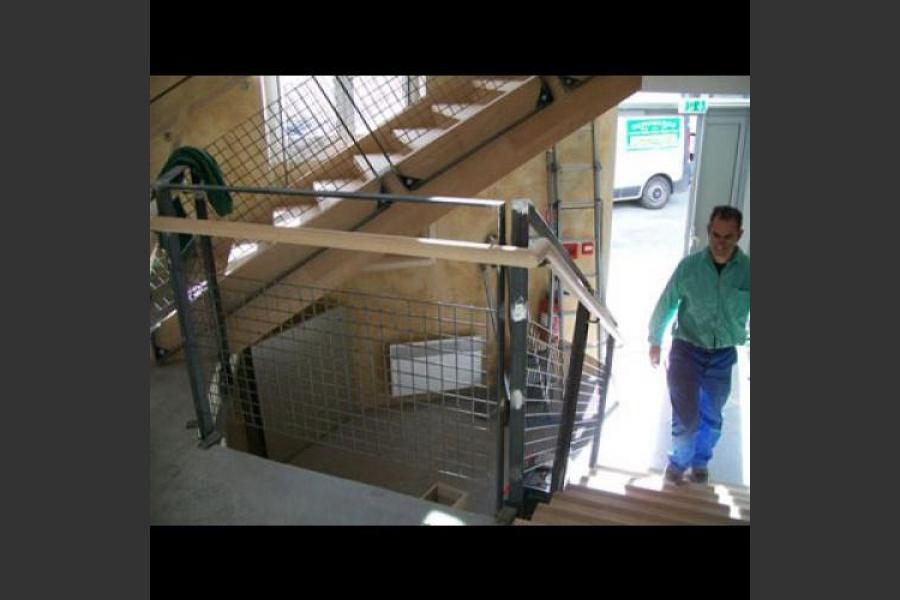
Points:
(722, 172)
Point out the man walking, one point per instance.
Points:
(710, 291)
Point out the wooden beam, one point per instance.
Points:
(471, 252)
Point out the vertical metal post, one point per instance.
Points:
(186, 320)
(218, 313)
(601, 408)
(553, 215)
(212, 283)
(554, 203)
(250, 408)
(518, 367)
(281, 131)
(600, 277)
(411, 83)
(502, 400)
(570, 399)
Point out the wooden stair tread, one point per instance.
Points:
(498, 84)
(457, 111)
(630, 510)
(555, 515)
(654, 480)
(330, 185)
(287, 203)
(675, 509)
(378, 161)
(418, 137)
(296, 214)
(689, 490)
(726, 507)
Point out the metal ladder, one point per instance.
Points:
(557, 205)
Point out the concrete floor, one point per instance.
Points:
(220, 486)
(432, 439)
(646, 247)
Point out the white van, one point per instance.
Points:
(652, 157)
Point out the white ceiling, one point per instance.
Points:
(697, 84)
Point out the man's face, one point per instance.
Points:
(723, 236)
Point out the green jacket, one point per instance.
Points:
(712, 308)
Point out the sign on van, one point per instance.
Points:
(653, 133)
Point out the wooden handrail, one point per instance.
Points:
(550, 250)
(472, 252)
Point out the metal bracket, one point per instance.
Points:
(570, 82)
(410, 183)
(169, 176)
(159, 354)
(381, 204)
(545, 97)
(212, 440)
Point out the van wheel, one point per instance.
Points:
(656, 192)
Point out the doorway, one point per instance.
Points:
(646, 246)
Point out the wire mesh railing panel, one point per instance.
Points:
(545, 378)
(406, 381)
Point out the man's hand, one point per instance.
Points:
(654, 356)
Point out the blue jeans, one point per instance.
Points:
(699, 384)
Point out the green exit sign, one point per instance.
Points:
(693, 106)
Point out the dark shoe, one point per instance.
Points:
(699, 475)
(673, 475)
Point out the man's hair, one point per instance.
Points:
(727, 213)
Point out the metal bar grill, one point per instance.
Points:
(548, 361)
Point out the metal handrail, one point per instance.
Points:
(553, 252)
(445, 200)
